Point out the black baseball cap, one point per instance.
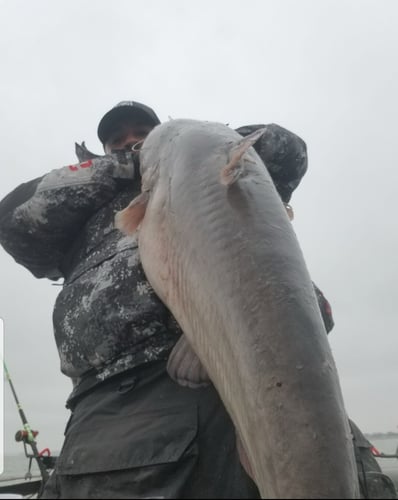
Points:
(125, 110)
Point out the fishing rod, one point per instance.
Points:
(27, 436)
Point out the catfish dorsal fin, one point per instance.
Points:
(129, 219)
(232, 171)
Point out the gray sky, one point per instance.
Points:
(326, 70)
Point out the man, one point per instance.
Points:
(133, 432)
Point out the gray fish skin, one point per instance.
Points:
(226, 261)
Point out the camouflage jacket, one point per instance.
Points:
(107, 319)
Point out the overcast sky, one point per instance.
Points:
(327, 70)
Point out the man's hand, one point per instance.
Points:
(123, 163)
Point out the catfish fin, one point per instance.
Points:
(83, 154)
(184, 366)
(233, 170)
(129, 219)
(244, 460)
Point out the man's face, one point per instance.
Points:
(126, 135)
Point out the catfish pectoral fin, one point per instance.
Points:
(234, 169)
(184, 366)
(130, 218)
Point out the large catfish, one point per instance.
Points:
(218, 248)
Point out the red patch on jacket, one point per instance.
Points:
(85, 164)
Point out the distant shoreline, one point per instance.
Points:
(381, 435)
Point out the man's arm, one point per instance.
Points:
(39, 219)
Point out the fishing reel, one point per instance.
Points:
(25, 437)
(28, 438)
